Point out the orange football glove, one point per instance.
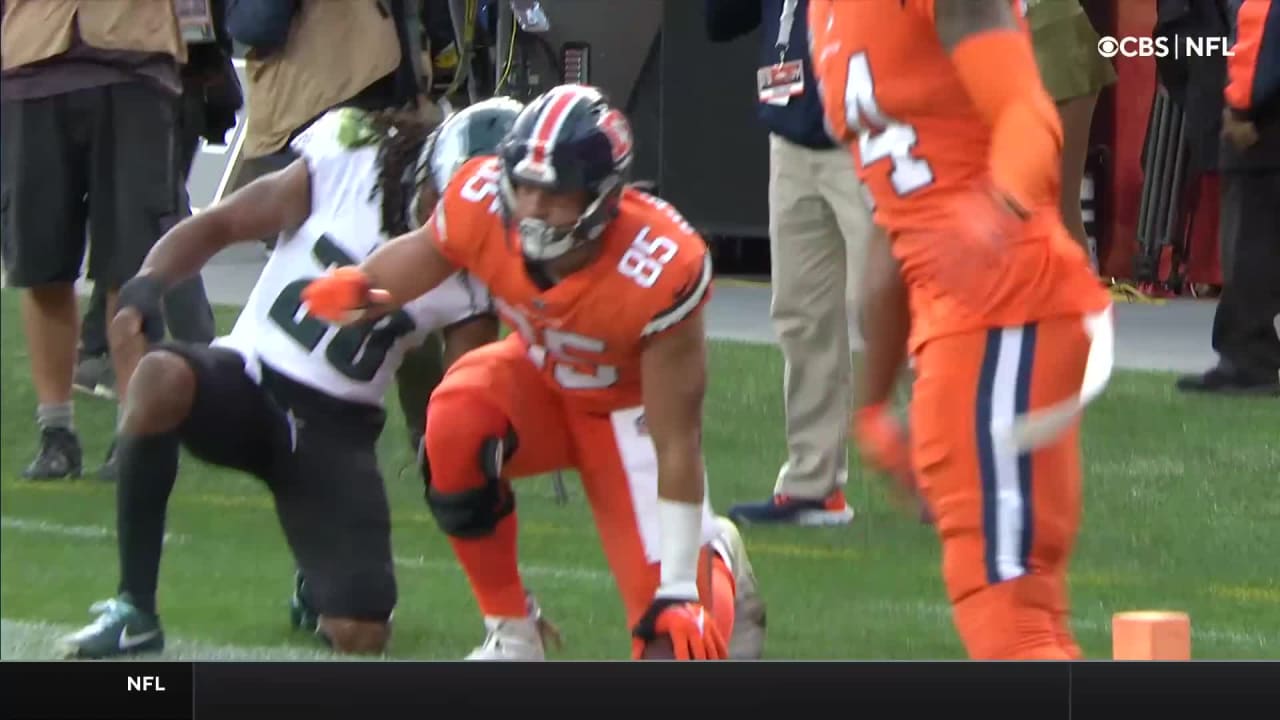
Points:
(342, 296)
(693, 632)
(883, 443)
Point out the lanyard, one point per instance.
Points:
(785, 22)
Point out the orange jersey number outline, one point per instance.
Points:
(482, 184)
(642, 262)
(570, 370)
(879, 136)
(543, 341)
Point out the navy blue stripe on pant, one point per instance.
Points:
(1004, 392)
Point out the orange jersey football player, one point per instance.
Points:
(978, 280)
(605, 373)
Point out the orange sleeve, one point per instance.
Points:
(998, 69)
(923, 7)
(668, 259)
(1253, 68)
(459, 216)
(439, 224)
(926, 7)
(687, 294)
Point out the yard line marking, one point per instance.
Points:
(8, 522)
(920, 609)
(97, 532)
(763, 548)
(38, 640)
(554, 572)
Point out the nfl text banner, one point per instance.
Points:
(99, 690)
(902, 691)
(652, 690)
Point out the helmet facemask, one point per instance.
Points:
(567, 140)
(541, 241)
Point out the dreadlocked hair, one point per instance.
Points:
(400, 135)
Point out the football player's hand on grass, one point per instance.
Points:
(691, 629)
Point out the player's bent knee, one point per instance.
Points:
(351, 636)
(359, 599)
(476, 511)
(160, 396)
(467, 443)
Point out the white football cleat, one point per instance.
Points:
(517, 638)
(747, 641)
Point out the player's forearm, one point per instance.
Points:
(886, 325)
(681, 486)
(674, 377)
(407, 267)
(186, 249)
(998, 69)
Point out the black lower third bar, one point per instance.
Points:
(100, 690)
(902, 691)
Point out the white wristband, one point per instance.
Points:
(680, 525)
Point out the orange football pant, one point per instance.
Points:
(494, 389)
(1007, 519)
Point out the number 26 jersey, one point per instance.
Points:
(355, 363)
(586, 334)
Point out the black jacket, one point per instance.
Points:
(210, 75)
(1253, 81)
(801, 120)
(1195, 83)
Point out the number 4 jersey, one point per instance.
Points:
(354, 363)
(890, 90)
(586, 334)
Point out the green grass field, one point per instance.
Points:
(1182, 512)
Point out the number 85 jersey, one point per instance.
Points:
(586, 334)
(889, 89)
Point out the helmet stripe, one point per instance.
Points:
(551, 119)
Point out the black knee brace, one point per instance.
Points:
(475, 513)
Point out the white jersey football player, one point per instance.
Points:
(284, 396)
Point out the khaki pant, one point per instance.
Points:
(818, 227)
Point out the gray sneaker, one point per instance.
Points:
(121, 629)
(96, 376)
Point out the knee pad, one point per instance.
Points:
(476, 512)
